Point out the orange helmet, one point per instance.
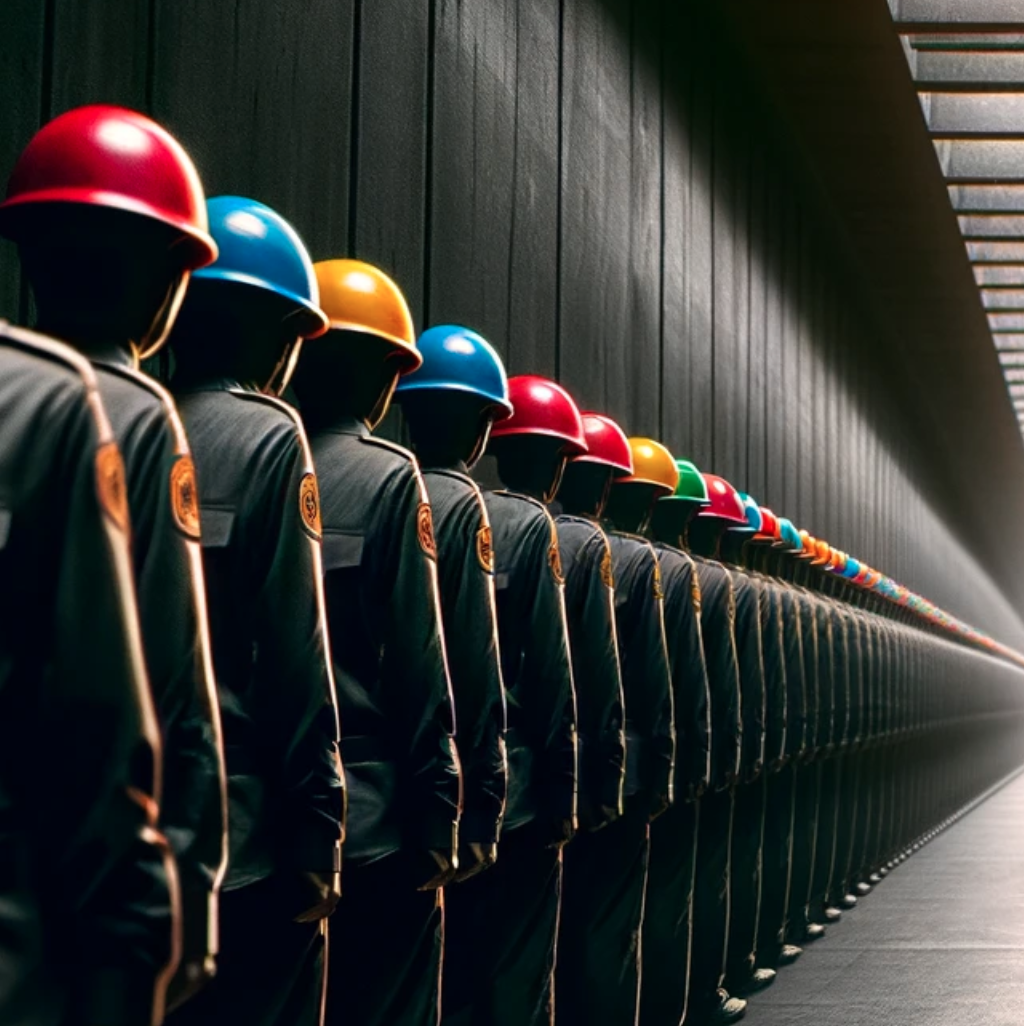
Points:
(652, 464)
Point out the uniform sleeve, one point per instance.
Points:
(842, 668)
(596, 673)
(414, 674)
(809, 630)
(690, 683)
(467, 605)
(546, 681)
(114, 871)
(724, 677)
(293, 702)
(647, 678)
(169, 580)
(748, 643)
(796, 687)
(826, 677)
(774, 674)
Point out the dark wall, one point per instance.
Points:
(593, 184)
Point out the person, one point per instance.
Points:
(449, 405)
(89, 908)
(234, 345)
(388, 654)
(110, 219)
(506, 978)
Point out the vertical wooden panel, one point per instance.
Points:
(757, 343)
(260, 94)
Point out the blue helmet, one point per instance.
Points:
(790, 536)
(753, 512)
(459, 360)
(259, 249)
(852, 569)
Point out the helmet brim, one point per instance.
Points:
(309, 320)
(488, 399)
(195, 248)
(402, 351)
(572, 447)
(622, 468)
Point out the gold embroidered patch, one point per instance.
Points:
(111, 487)
(695, 592)
(309, 504)
(659, 594)
(185, 497)
(425, 530)
(555, 562)
(484, 549)
(606, 568)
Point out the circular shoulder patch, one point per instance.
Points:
(484, 549)
(555, 562)
(111, 487)
(425, 530)
(606, 568)
(309, 505)
(185, 497)
(659, 592)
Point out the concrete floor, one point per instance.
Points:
(940, 942)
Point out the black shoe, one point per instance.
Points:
(848, 901)
(875, 878)
(728, 1009)
(758, 980)
(863, 888)
(815, 931)
(789, 954)
(833, 915)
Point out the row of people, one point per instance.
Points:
(733, 729)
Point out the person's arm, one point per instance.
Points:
(751, 666)
(466, 573)
(293, 703)
(796, 685)
(774, 674)
(414, 673)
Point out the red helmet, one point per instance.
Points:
(542, 407)
(101, 156)
(771, 530)
(724, 502)
(607, 443)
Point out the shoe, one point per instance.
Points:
(875, 878)
(758, 980)
(729, 1009)
(789, 954)
(833, 915)
(848, 901)
(863, 888)
(815, 931)
(883, 872)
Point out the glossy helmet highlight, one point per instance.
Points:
(542, 407)
(607, 443)
(652, 465)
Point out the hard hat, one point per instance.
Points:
(822, 553)
(109, 157)
(542, 407)
(360, 297)
(653, 465)
(607, 443)
(259, 249)
(852, 569)
(836, 562)
(457, 359)
(789, 536)
(724, 502)
(770, 528)
(691, 487)
(752, 512)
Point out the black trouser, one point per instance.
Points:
(386, 943)
(710, 902)
(805, 828)
(270, 970)
(825, 841)
(502, 927)
(598, 966)
(745, 882)
(851, 799)
(780, 809)
(868, 798)
(668, 917)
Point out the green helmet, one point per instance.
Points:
(691, 486)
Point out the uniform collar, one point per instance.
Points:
(347, 426)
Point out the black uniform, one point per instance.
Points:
(711, 890)
(511, 911)
(668, 911)
(586, 931)
(261, 554)
(86, 906)
(397, 726)
(163, 502)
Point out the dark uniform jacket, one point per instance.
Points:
(394, 697)
(691, 688)
(718, 617)
(261, 555)
(465, 570)
(646, 674)
(793, 660)
(749, 611)
(169, 586)
(590, 608)
(86, 927)
(773, 649)
(535, 664)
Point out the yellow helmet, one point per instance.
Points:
(359, 297)
(652, 464)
